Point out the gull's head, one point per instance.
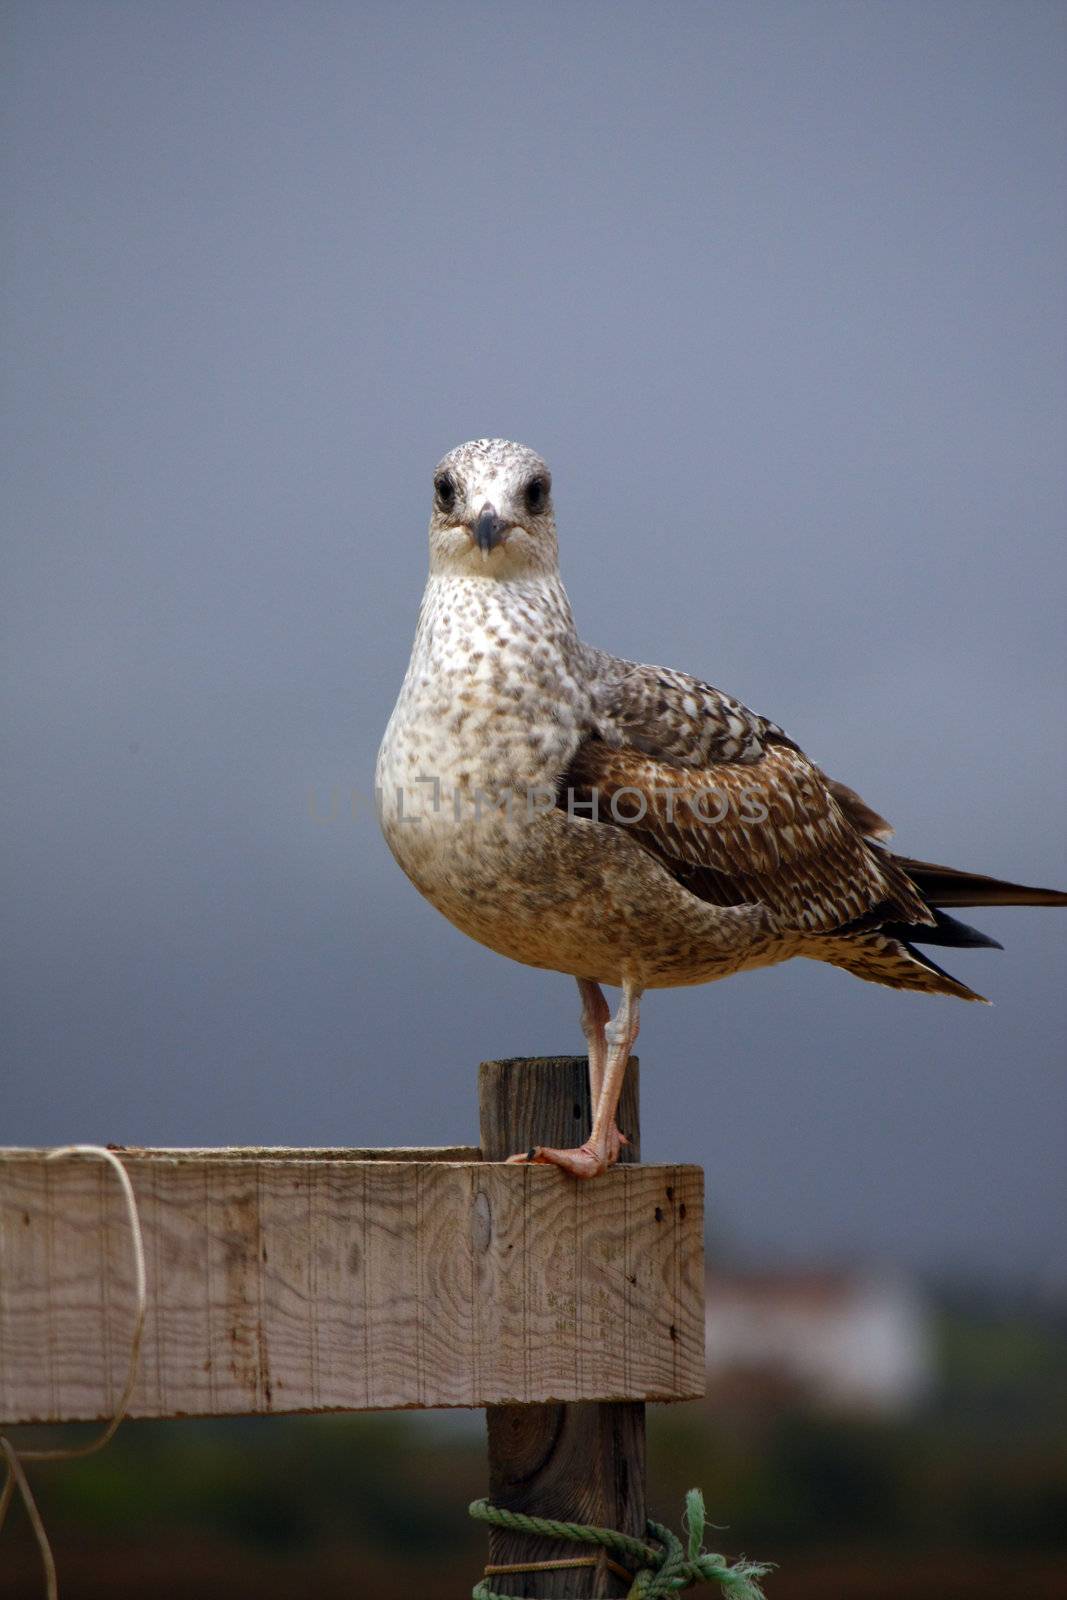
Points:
(492, 512)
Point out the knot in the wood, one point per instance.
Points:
(481, 1222)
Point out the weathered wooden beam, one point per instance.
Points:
(585, 1462)
(276, 1152)
(284, 1281)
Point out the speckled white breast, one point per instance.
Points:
(488, 717)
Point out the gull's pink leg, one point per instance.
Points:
(595, 1018)
(601, 1149)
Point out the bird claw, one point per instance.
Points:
(585, 1162)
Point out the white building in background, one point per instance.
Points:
(849, 1340)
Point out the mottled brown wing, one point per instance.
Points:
(674, 717)
(768, 832)
(859, 813)
(670, 715)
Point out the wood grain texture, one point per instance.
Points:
(274, 1152)
(283, 1282)
(526, 1100)
(585, 1462)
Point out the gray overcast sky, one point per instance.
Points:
(778, 290)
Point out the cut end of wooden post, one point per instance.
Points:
(525, 1101)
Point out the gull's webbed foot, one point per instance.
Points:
(587, 1162)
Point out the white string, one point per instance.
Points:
(16, 1479)
(16, 1476)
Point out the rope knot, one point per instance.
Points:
(662, 1567)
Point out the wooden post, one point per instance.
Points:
(582, 1462)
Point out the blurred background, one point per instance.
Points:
(777, 288)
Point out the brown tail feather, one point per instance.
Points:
(895, 963)
(947, 886)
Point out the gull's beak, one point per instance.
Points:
(489, 529)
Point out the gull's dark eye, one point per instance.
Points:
(445, 490)
(536, 495)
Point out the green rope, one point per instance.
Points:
(660, 1571)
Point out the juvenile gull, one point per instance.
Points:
(627, 824)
